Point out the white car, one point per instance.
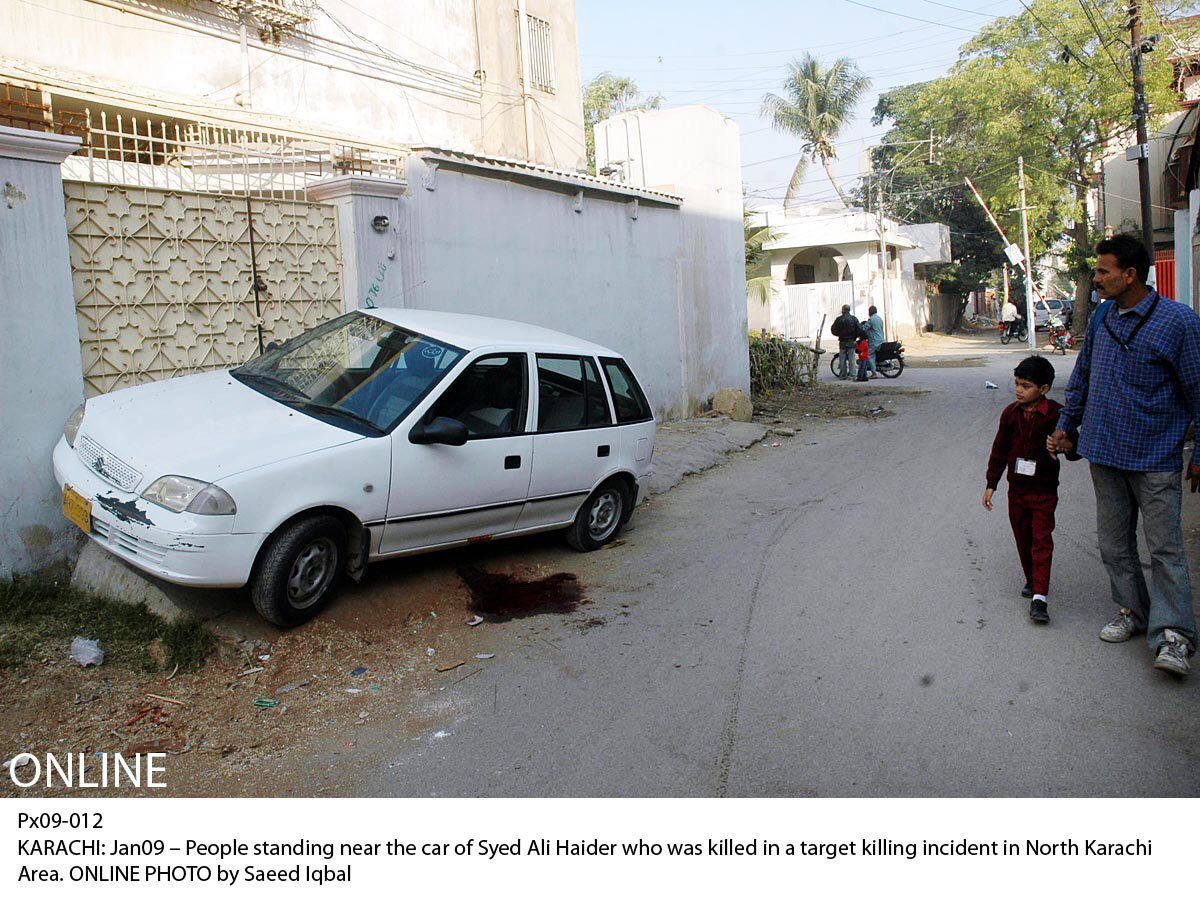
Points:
(381, 433)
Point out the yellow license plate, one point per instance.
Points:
(77, 508)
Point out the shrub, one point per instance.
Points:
(779, 365)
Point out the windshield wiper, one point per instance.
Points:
(342, 413)
(277, 383)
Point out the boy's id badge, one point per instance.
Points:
(1026, 466)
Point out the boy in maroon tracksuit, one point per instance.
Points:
(1020, 446)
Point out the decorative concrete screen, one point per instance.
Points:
(165, 279)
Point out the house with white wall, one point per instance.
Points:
(498, 77)
(821, 257)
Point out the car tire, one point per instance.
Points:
(600, 517)
(299, 570)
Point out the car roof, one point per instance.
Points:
(472, 332)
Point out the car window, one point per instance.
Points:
(569, 394)
(490, 397)
(627, 395)
(357, 371)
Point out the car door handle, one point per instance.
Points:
(512, 462)
(602, 451)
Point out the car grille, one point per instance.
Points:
(107, 466)
(137, 548)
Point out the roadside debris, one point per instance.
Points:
(358, 671)
(291, 687)
(163, 698)
(87, 652)
(475, 620)
(443, 668)
(430, 652)
(18, 761)
(251, 670)
(990, 386)
(734, 403)
(484, 657)
(266, 702)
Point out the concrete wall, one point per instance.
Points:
(425, 72)
(492, 245)
(41, 374)
(695, 152)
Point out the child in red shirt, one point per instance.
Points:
(1020, 446)
(863, 348)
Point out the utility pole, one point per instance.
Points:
(1028, 264)
(883, 262)
(1139, 118)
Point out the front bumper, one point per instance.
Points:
(179, 547)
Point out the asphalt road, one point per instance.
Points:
(838, 616)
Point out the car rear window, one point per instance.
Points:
(569, 394)
(627, 396)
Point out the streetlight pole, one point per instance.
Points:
(883, 264)
(1028, 263)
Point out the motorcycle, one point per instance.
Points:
(889, 360)
(1010, 330)
(1060, 336)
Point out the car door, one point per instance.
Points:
(443, 494)
(575, 442)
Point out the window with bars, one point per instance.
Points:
(541, 54)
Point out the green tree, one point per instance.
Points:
(604, 96)
(758, 284)
(819, 101)
(1051, 84)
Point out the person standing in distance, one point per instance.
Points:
(1134, 390)
(847, 329)
(874, 328)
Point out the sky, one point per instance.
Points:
(727, 56)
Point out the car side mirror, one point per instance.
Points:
(441, 430)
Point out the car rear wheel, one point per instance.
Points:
(600, 517)
(299, 570)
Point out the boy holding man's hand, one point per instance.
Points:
(1021, 448)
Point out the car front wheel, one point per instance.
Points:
(600, 517)
(299, 570)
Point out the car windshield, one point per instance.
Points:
(357, 371)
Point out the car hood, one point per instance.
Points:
(203, 426)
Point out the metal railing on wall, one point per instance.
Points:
(204, 157)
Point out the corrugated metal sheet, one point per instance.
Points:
(538, 171)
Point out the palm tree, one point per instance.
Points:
(820, 101)
(756, 235)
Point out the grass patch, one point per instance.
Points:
(40, 615)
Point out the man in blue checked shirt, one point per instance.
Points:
(1134, 390)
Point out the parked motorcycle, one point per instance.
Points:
(889, 360)
(1060, 336)
(1010, 330)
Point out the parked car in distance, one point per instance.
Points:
(1062, 308)
(381, 433)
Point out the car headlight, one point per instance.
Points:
(177, 493)
(71, 428)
